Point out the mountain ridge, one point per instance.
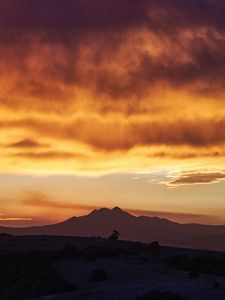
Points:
(101, 222)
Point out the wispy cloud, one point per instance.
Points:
(189, 178)
(15, 219)
(48, 155)
(37, 199)
(26, 143)
(181, 217)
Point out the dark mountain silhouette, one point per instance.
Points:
(104, 221)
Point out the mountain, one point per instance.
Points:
(146, 229)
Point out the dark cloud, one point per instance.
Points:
(49, 155)
(26, 143)
(198, 178)
(109, 14)
(61, 30)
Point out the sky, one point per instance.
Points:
(109, 103)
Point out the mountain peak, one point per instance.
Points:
(103, 210)
(116, 211)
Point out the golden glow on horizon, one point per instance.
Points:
(15, 219)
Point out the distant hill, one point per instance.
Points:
(146, 229)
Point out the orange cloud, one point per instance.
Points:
(130, 132)
(40, 200)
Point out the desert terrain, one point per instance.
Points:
(51, 267)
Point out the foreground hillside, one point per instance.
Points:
(144, 229)
(51, 267)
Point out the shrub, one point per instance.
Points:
(115, 235)
(99, 275)
(69, 250)
(158, 295)
(154, 244)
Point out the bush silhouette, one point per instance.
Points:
(158, 295)
(69, 250)
(115, 235)
(154, 244)
(99, 275)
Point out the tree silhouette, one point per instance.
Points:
(115, 235)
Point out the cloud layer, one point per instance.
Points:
(92, 81)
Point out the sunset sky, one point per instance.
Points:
(109, 103)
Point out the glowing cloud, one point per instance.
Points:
(98, 87)
(104, 77)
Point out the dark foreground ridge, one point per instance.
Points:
(53, 267)
(144, 229)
